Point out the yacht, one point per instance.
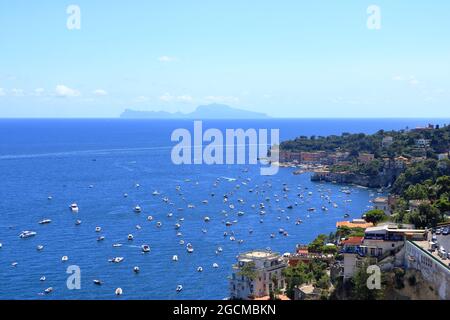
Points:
(189, 248)
(137, 209)
(179, 288)
(97, 282)
(175, 258)
(136, 269)
(145, 248)
(45, 221)
(65, 258)
(98, 229)
(150, 218)
(130, 237)
(199, 269)
(42, 279)
(27, 234)
(117, 245)
(159, 224)
(116, 260)
(207, 219)
(119, 292)
(215, 265)
(156, 193)
(177, 226)
(74, 207)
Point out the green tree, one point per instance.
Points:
(375, 216)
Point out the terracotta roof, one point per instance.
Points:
(354, 225)
(265, 298)
(353, 241)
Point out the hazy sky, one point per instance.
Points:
(285, 58)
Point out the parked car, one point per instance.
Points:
(438, 231)
(434, 238)
(442, 253)
(446, 231)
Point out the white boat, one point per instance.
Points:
(175, 258)
(14, 264)
(42, 279)
(181, 242)
(189, 248)
(130, 237)
(136, 269)
(215, 265)
(207, 219)
(117, 245)
(199, 269)
(156, 193)
(78, 222)
(27, 234)
(137, 209)
(98, 229)
(65, 258)
(97, 282)
(125, 195)
(219, 249)
(205, 201)
(159, 224)
(119, 292)
(1, 245)
(45, 221)
(150, 218)
(145, 248)
(48, 290)
(177, 226)
(179, 288)
(100, 238)
(117, 260)
(170, 215)
(74, 207)
(49, 197)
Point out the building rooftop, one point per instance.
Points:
(354, 224)
(353, 241)
(380, 200)
(258, 254)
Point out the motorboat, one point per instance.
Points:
(116, 260)
(137, 209)
(98, 282)
(179, 288)
(177, 226)
(207, 219)
(117, 245)
(42, 279)
(215, 265)
(78, 222)
(98, 229)
(145, 248)
(130, 237)
(136, 269)
(100, 238)
(156, 193)
(150, 218)
(65, 258)
(175, 258)
(189, 248)
(138, 227)
(27, 234)
(45, 221)
(119, 292)
(159, 224)
(199, 269)
(74, 207)
(48, 290)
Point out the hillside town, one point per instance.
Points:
(405, 235)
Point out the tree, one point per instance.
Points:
(361, 290)
(375, 216)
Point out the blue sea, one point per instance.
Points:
(94, 162)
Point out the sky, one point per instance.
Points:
(286, 58)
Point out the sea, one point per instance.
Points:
(95, 162)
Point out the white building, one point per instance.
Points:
(387, 142)
(423, 143)
(442, 156)
(267, 266)
(382, 203)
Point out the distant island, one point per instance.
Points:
(211, 111)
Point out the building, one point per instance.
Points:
(432, 268)
(306, 292)
(382, 203)
(366, 158)
(443, 156)
(289, 156)
(415, 204)
(387, 142)
(267, 268)
(313, 157)
(423, 143)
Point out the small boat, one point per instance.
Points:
(299, 222)
(27, 234)
(138, 227)
(145, 248)
(207, 219)
(137, 185)
(48, 290)
(45, 221)
(116, 260)
(150, 218)
(100, 238)
(98, 282)
(311, 209)
(65, 258)
(177, 226)
(49, 198)
(78, 222)
(290, 207)
(98, 229)
(228, 224)
(189, 248)
(159, 224)
(1, 245)
(156, 193)
(119, 292)
(125, 195)
(204, 231)
(117, 245)
(136, 269)
(215, 265)
(130, 237)
(346, 215)
(199, 269)
(137, 209)
(42, 279)
(40, 247)
(205, 201)
(179, 288)
(191, 206)
(219, 249)
(181, 242)
(175, 258)
(74, 207)
(14, 264)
